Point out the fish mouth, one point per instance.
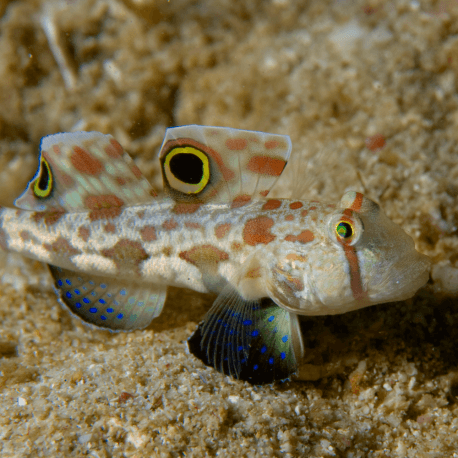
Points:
(403, 279)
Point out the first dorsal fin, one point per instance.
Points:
(221, 165)
(84, 170)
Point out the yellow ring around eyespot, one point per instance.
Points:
(180, 185)
(42, 193)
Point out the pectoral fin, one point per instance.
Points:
(256, 341)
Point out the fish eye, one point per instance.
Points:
(187, 169)
(42, 186)
(344, 230)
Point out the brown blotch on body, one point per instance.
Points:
(295, 205)
(83, 233)
(222, 229)
(121, 181)
(304, 237)
(110, 228)
(85, 162)
(204, 255)
(264, 193)
(126, 253)
(272, 204)
(167, 251)
(257, 231)
(148, 233)
(169, 224)
(61, 247)
(304, 212)
(25, 235)
(192, 225)
(179, 209)
(295, 257)
(289, 217)
(141, 214)
(48, 217)
(240, 201)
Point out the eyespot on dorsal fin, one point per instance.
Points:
(84, 170)
(357, 202)
(221, 165)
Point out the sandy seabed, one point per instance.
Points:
(379, 382)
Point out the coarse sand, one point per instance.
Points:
(367, 92)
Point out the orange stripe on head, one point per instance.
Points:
(355, 273)
(356, 205)
(356, 283)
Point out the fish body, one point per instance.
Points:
(113, 246)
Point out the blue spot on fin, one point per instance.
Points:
(223, 339)
(99, 300)
(274, 352)
(238, 338)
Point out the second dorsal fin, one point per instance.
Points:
(221, 165)
(84, 170)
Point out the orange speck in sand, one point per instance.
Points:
(376, 142)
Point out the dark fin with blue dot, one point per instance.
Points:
(276, 345)
(108, 302)
(222, 340)
(256, 341)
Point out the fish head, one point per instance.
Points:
(358, 257)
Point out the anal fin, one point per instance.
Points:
(108, 302)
